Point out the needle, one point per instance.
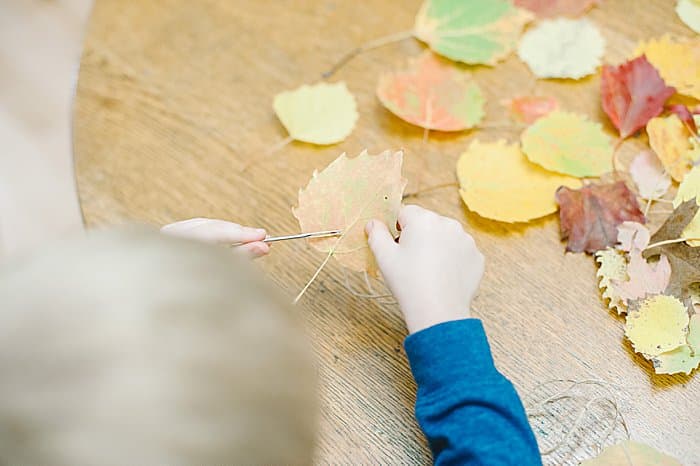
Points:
(315, 234)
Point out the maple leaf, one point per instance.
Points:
(319, 114)
(674, 144)
(498, 182)
(589, 216)
(629, 452)
(649, 175)
(471, 31)
(684, 259)
(552, 8)
(686, 357)
(562, 48)
(432, 95)
(632, 94)
(527, 109)
(678, 62)
(347, 194)
(689, 12)
(568, 143)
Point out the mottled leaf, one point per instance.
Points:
(527, 109)
(659, 325)
(685, 358)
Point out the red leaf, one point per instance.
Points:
(589, 216)
(633, 93)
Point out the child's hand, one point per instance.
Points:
(220, 231)
(433, 271)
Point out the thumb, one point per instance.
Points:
(381, 243)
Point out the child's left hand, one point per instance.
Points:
(221, 232)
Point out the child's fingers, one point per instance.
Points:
(255, 249)
(214, 231)
(381, 242)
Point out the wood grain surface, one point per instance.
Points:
(174, 99)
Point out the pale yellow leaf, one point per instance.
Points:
(319, 114)
(689, 189)
(673, 144)
(658, 326)
(630, 453)
(678, 62)
(685, 358)
(612, 266)
(689, 12)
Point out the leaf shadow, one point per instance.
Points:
(659, 382)
(503, 229)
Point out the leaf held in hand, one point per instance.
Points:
(678, 62)
(631, 453)
(471, 31)
(319, 114)
(611, 266)
(568, 143)
(432, 95)
(649, 175)
(347, 194)
(689, 12)
(632, 94)
(589, 216)
(498, 182)
(562, 48)
(552, 8)
(528, 109)
(674, 145)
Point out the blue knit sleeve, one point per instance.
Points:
(469, 412)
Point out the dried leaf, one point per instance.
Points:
(686, 115)
(684, 259)
(649, 175)
(632, 235)
(685, 358)
(471, 31)
(589, 216)
(631, 453)
(689, 12)
(612, 265)
(643, 278)
(658, 326)
(568, 143)
(632, 94)
(345, 195)
(690, 189)
(562, 48)
(433, 95)
(673, 143)
(498, 182)
(528, 109)
(319, 114)
(678, 62)
(552, 8)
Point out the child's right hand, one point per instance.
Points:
(433, 271)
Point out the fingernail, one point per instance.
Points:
(369, 227)
(260, 231)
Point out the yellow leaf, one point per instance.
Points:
(685, 358)
(498, 182)
(689, 189)
(631, 453)
(562, 48)
(347, 194)
(319, 114)
(674, 145)
(568, 143)
(612, 266)
(689, 12)
(678, 62)
(658, 326)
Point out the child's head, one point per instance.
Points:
(128, 347)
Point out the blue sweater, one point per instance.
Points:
(469, 412)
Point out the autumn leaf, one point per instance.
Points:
(432, 95)
(568, 143)
(686, 115)
(674, 144)
(684, 259)
(471, 31)
(658, 326)
(690, 189)
(319, 114)
(552, 8)
(643, 278)
(631, 453)
(347, 194)
(589, 216)
(689, 12)
(527, 109)
(632, 94)
(649, 175)
(632, 235)
(678, 62)
(685, 358)
(562, 48)
(612, 265)
(498, 182)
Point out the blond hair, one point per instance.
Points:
(127, 347)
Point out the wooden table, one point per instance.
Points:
(175, 98)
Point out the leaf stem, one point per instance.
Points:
(373, 44)
(313, 278)
(670, 241)
(431, 188)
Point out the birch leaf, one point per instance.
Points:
(658, 326)
(673, 143)
(562, 48)
(471, 31)
(319, 114)
(347, 194)
(678, 62)
(498, 182)
(552, 8)
(689, 13)
(649, 175)
(629, 452)
(432, 95)
(611, 266)
(685, 358)
(568, 143)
